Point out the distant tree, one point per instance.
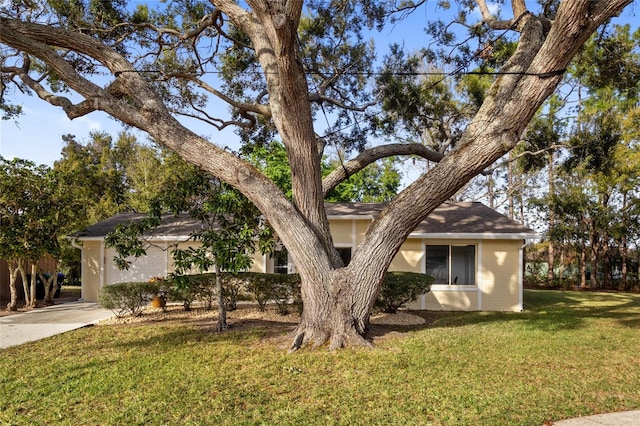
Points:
(374, 183)
(99, 173)
(23, 206)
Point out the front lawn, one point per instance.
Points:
(568, 354)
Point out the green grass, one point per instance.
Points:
(569, 354)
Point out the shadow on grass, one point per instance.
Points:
(551, 310)
(545, 310)
(178, 333)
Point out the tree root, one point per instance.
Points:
(336, 340)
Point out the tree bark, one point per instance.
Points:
(14, 269)
(552, 221)
(30, 296)
(583, 266)
(50, 286)
(624, 251)
(595, 250)
(222, 309)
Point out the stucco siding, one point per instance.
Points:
(259, 262)
(500, 275)
(92, 264)
(450, 300)
(342, 232)
(410, 257)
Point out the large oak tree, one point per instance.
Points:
(150, 64)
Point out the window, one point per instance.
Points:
(283, 265)
(345, 254)
(280, 261)
(451, 264)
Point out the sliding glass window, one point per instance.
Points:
(451, 264)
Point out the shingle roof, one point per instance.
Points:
(182, 225)
(449, 218)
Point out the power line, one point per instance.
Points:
(546, 74)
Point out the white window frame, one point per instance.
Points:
(450, 284)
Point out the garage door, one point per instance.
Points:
(154, 264)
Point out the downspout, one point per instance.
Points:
(479, 273)
(74, 244)
(520, 307)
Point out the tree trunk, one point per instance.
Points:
(624, 252)
(222, 309)
(552, 221)
(336, 311)
(595, 249)
(511, 185)
(30, 295)
(50, 287)
(26, 287)
(14, 269)
(624, 255)
(583, 266)
(490, 193)
(606, 264)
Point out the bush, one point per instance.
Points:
(399, 288)
(129, 297)
(279, 288)
(233, 287)
(189, 288)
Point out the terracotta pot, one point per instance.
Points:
(158, 302)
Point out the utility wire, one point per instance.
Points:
(547, 74)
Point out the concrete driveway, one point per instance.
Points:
(16, 329)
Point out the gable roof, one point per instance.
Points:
(171, 226)
(450, 220)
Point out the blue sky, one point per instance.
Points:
(37, 135)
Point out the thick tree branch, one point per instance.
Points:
(63, 69)
(257, 108)
(371, 155)
(519, 11)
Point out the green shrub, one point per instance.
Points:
(233, 287)
(202, 287)
(279, 288)
(186, 289)
(399, 288)
(128, 297)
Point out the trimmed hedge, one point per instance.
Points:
(399, 288)
(128, 297)
(189, 288)
(278, 288)
(284, 290)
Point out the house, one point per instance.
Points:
(474, 253)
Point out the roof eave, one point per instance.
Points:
(476, 236)
(179, 238)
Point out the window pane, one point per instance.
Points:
(345, 254)
(438, 263)
(463, 265)
(280, 261)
